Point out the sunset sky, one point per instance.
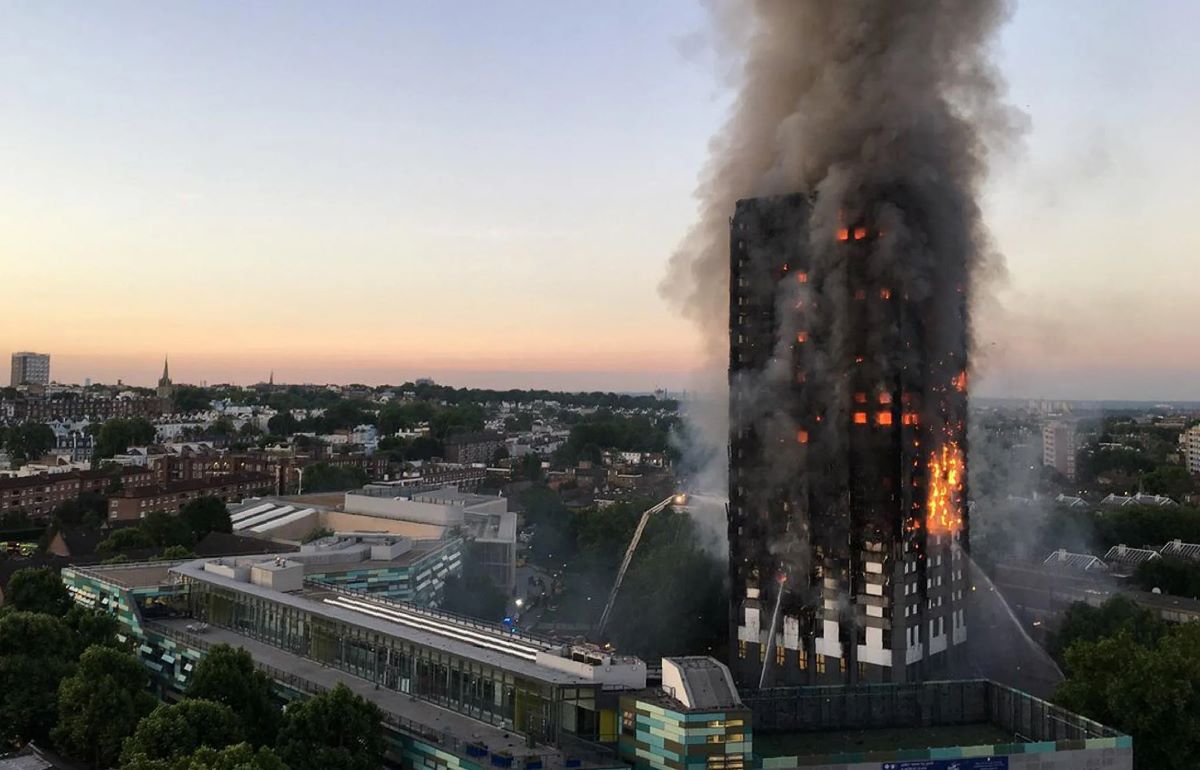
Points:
(487, 193)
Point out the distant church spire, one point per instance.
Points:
(165, 390)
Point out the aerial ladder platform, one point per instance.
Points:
(676, 499)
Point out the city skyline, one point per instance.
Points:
(379, 198)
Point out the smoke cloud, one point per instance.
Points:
(878, 111)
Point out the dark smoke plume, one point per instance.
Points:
(879, 110)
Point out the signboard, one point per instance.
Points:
(968, 763)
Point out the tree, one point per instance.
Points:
(36, 652)
(92, 628)
(1084, 623)
(88, 507)
(1151, 691)
(228, 676)
(100, 705)
(206, 514)
(334, 731)
(180, 729)
(175, 553)
(529, 467)
(37, 589)
(127, 539)
(189, 398)
(242, 756)
(1171, 575)
(282, 424)
(28, 441)
(474, 596)
(316, 533)
(166, 529)
(1170, 480)
(323, 477)
(115, 436)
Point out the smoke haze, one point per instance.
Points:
(885, 111)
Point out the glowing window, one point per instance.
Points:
(820, 664)
(802, 436)
(860, 418)
(779, 654)
(860, 233)
(802, 277)
(843, 234)
(801, 337)
(741, 648)
(802, 659)
(842, 665)
(883, 418)
(860, 398)
(885, 397)
(885, 293)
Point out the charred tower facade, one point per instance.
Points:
(847, 500)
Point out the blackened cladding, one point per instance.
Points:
(842, 402)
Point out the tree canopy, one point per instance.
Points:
(178, 730)
(337, 730)
(115, 436)
(36, 652)
(206, 514)
(27, 441)
(99, 705)
(1084, 623)
(37, 589)
(227, 675)
(1149, 689)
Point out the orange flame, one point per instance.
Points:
(943, 506)
(860, 418)
(860, 233)
(843, 234)
(802, 436)
(960, 382)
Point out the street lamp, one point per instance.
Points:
(520, 603)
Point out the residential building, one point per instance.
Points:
(133, 504)
(847, 499)
(1124, 561)
(1181, 550)
(472, 448)
(1058, 446)
(1189, 445)
(30, 369)
(694, 721)
(1153, 501)
(38, 495)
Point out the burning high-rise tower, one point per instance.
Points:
(847, 507)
